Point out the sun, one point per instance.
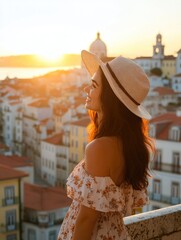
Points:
(50, 57)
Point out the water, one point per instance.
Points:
(13, 72)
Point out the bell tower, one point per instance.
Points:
(158, 48)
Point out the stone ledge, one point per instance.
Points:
(161, 224)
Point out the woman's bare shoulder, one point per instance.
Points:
(99, 143)
(99, 156)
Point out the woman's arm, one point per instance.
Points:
(85, 223)
(97, 161)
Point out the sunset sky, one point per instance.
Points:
(54, 27)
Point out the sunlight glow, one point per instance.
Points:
(50, 57)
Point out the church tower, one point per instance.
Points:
(158, 52)
(158, 49)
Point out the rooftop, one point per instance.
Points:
(143, 57)
(56, 139)
(15, 161)
(82, 122)
(7, 173)
(45, 198)
(169, 57)
(164, 91)
(164, 122)
(41, 103)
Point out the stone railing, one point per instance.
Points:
(161, 224)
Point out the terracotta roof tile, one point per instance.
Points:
(45, 198)
(55, 140)
(164, 91)
(84, 122)
(14, 161)
(7, 173)
(142, 57)
(42, 103)
(163, 124)
(14, 97)
(169, 57)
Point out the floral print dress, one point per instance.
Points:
(100, 193)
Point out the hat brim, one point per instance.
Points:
(92, 63)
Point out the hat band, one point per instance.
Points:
(120, 85)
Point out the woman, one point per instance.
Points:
(112, 178)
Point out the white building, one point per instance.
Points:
(165, 185)
(156, 81)
(18, 133)
(33, 114)
(176, 82)
(55, 159)
(178, 62)
(9, 111)
(159, 98)
(44, 211)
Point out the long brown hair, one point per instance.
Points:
(119, 121)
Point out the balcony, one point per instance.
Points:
(164, 199)
(61, 155)
(61, 167)
(165, 167)
(4, 228)
(162, 224)
(10, 201)
(45, 224)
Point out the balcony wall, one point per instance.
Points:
(161, 224)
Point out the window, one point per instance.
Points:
(174, 134)
(158, 160)
(175, 193)
(156, 189)
(12, 237)
(9, 195)
(176, 162)
(51, 218)
(31, 234)
(11, 220)
(52, 235)
(76, 131)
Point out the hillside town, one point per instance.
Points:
(43, 134)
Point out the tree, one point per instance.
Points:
(156, 71)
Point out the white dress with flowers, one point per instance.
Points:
(100, 193)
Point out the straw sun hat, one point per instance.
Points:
(127, 80)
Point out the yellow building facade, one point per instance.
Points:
(10, 203)
(78, 141)
(168, 66)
